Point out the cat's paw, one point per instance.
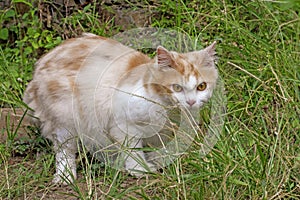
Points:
(64, 178)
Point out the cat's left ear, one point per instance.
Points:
(208, 54)
(211, 49)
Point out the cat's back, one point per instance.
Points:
(56, 73)
(77, 63)
(72, 53)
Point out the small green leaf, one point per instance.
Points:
(36, 35)
(31, 31)
(4, 34)
(87, 8)
(28, 50)
(49, 46)
(58, 40)
(49, 38)
(9, 14)
(35, 45)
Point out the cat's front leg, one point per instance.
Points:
(135, 162)
(132, 154)
(65, 149)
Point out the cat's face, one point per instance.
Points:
(189, 79)
(191, 93)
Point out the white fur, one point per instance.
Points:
(65, 147)
(192, 83)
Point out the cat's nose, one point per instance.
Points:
(191, 102)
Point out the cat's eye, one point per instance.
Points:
(177, 88)
(202, 86)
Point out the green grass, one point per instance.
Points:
(258, 153)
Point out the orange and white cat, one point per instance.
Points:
(109, 96)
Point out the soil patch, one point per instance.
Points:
(13, 121)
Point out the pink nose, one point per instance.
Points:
(191, 102)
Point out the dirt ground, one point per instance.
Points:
(10, 119)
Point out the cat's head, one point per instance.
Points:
(188, 78)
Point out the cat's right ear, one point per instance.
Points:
(163, 58)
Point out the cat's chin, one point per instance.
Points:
(191, 108)
(194, 108)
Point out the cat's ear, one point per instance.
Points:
(211, 49)
(164, 57)
(210, 57)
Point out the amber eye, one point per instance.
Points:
(201, 86)
(177, 88)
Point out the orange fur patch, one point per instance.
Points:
(185, 68)
(33, 91)
(53, 87)
(136, 60)
(179, 66)
(74, 64)
(73, 85)
(158, 89)
(67, 42)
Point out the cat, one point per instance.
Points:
(110, 96)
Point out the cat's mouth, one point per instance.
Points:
(186, 106)
(194, 107)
